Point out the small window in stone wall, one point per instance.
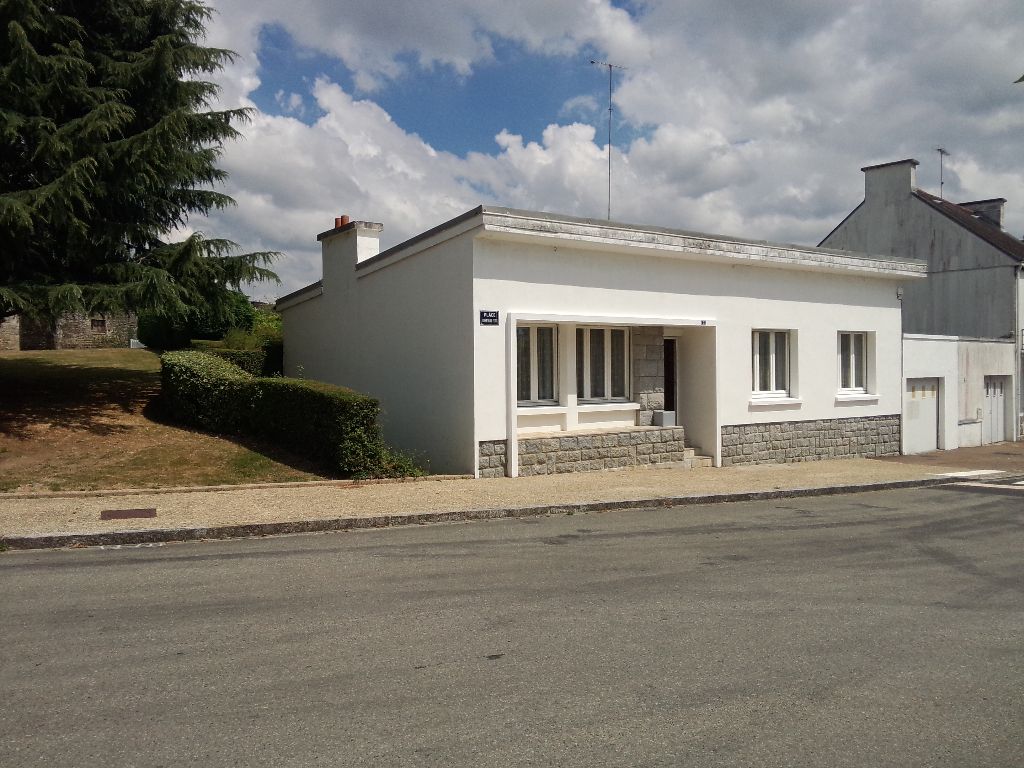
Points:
(99, 325)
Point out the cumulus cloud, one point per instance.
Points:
(749, 118)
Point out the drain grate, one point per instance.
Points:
(127, 514)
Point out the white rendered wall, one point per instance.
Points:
(697, 385)
(307, 345)
(403, 334)
(926, 357)
(530, 278)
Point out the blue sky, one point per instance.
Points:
(519, 92)
(734, 116)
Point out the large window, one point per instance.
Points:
(535, 354)
(602, 363)
(853, 362)
(770, 353)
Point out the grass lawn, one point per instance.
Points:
(86, 420)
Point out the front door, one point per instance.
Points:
(670, 376)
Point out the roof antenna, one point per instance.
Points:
(942, 153)
(610, 68)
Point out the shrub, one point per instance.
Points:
(333, 426)
(249, 360)
(206, 391)
(206, 345)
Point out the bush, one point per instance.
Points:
(160, 332)
(206, 391)
(333, 426)
(249, 360)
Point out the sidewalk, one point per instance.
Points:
(64, 519)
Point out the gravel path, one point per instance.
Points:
(55, 513)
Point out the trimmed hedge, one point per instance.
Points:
(333, 426)
(207, 392)
(265, 360)
(249, 360)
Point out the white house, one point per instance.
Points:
(516, 342)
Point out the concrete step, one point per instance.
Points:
(702, 461)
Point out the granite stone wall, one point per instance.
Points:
(588, 452)
(809, 440)
(78, 331)
(10, 334)
(648, 371)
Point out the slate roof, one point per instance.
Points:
(991, 234)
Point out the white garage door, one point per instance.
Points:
(921, 416)
(993, 427)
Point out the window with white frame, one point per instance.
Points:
(853, 362)
(535, 357)
(602, 363)
(770, 363)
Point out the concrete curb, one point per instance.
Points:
(163, 535)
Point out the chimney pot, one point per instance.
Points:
(341, 221)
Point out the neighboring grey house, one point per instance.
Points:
(972, 295)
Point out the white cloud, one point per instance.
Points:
(756, 117)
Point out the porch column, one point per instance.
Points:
(648, 369)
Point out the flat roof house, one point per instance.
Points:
(507, 342)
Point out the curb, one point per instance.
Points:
(164, 535)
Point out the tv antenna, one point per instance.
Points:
(610, 68)
(942, 153)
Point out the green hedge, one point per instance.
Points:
(267, 359)
(333, 426)
(207, 392)
(249, 360)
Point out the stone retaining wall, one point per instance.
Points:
(808, 440)
(587, 452)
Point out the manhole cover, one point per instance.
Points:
(127, 514)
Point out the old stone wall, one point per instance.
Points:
(648, 369)
(588, 452)
(36, 334)
(10, 334)
(809, 440)
(95, 331)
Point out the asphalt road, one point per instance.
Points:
(879, 629)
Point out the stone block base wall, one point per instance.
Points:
(809, 440)
(588, 452)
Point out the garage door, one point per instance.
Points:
(921, 416)
(993, 427)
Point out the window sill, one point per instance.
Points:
(619, 405)
(768, 403)
(856, 397)
(541, 409)
(547, 409)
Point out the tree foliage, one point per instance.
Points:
(108, 143)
